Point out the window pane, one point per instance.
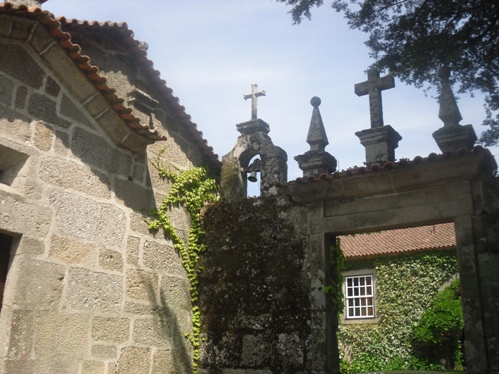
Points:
(359, 301)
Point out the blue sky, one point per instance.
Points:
(211, 51)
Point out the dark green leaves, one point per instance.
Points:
(412, 39)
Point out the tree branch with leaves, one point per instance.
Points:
(412, 39)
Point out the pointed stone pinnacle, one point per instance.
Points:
(316, 137)
(449, 111)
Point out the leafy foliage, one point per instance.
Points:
(405, 289)
(335, 289)
(440, 326)
(365, 362)
(414, 38)
(191, 189)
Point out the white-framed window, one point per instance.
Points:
(359, 296)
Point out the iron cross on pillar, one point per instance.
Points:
(253, 96)
(373, 86)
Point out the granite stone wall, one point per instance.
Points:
(89, 289)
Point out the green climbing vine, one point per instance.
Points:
(192, 189)
(406, 287)
(335, 289)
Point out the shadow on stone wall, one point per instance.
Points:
(163, 329)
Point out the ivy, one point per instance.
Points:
(439, 328)
(405, 289)
(335, 289)
(192, 189)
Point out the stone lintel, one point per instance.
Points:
(252, 126)
(315, 163)
(456, 137)
(380, 143)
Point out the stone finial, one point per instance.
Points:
(316, 161)
(452, 136)
(373, 87)
(449, 111)
(316, 137)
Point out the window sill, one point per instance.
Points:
(360, 321)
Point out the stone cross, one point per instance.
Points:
(253, 96)
(373, 86)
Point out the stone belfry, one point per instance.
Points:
(253, 142)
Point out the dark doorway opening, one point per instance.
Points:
(5, 247)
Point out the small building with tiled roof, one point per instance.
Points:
(398, 241)
(390, 279)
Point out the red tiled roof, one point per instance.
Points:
(55, 27)
(398, 241)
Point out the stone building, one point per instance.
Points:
(88, 288)
(391, 278)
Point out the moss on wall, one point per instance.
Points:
(253, 301)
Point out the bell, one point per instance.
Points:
(252, 177)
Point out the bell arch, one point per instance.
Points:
(272, 165)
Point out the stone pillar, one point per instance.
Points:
(452, 136)
(477, 241)
(316, 161)
(380, 143)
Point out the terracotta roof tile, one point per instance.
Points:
(391, 242)
(141, 55)
(387, 166)
(55, 27)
